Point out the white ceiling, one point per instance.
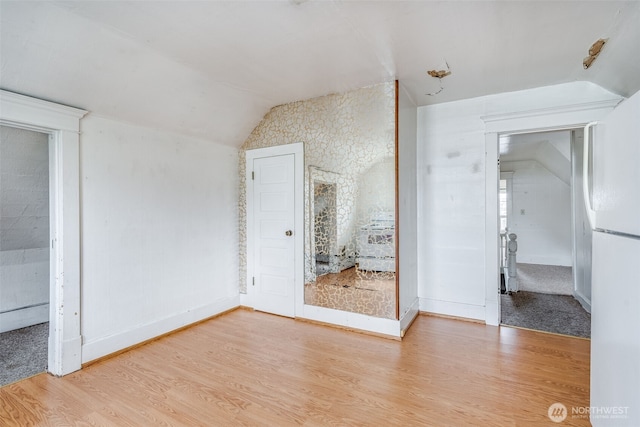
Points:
(212, 69)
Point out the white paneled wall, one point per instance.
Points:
(159, 233)
(451, 163)
(451, 209)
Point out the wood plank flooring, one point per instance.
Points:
(251, 368)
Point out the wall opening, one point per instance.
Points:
(536, 204)
(24, 252)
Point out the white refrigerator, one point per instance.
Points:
(614, 209)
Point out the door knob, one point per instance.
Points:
(288, 233)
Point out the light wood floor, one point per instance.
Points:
(251, 368)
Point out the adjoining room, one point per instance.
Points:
(24, 253)
(542, 227)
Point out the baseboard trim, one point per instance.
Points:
(350, 320)
(492, 311)
(22, 318)
(446, 316)
(347, 328)
(453, 309)
(586, 304)
(73, 352)
(115, 344)
(542, 260)
(246, 300)
(409, 317)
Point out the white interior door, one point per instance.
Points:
(274, 244)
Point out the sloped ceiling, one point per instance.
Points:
(212, 69)
(552, 150)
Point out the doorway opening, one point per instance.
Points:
(62, 124)
(325, 231)
(543, 245)
(24, 252)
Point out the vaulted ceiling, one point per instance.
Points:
(212, 69)
(552, 150)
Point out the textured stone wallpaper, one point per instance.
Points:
(347, 137)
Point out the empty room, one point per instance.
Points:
(307, 212)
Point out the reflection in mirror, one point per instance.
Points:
(349, 197)
(352, 236)
(324, 231)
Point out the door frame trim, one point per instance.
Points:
(297, 149)
(62, 123)
(556, 118)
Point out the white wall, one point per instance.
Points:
(24, 228)
(451, 190)
(407, 209)
(541, 214)
(159, 233)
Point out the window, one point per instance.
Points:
(502, 195)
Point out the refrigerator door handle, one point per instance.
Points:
(591, 214)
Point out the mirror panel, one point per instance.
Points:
(349, 143)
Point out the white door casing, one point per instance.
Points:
(275, 229)
(556, 118)
(63, 124)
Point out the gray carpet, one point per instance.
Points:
(561, 314)
(23, 353)
(546, 279)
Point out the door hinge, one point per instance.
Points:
(253, 175)
(253, 281)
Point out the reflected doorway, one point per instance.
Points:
(325, 232)
(352, 239)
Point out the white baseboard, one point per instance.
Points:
(111, 344)
(409, 316)
(492, 312)
(584, 302)
(246, 300)
(448, 308)
(24, 317)
(561, 261)
(348, 319)
(69, 361)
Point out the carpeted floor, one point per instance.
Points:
(23, 353)
(546, 279)
(545, 302)
(561, 314)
